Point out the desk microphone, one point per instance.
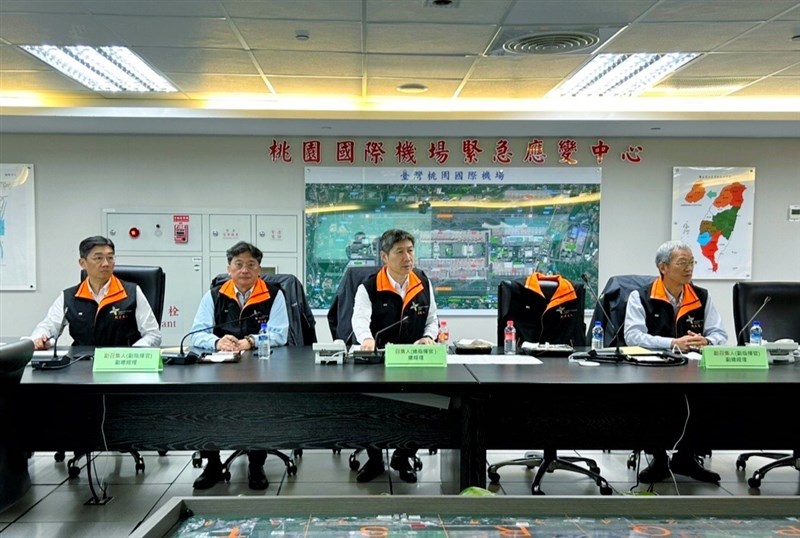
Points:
(767, 299)
(376, 355)
(618, 355)
(45, 363)
(395, 324)
(191, 357)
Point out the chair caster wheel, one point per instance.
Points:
(297, 453)
(354, 465)
(494, 477)
(595, 470)
(59, 456)
(162, 453)
(741, 464)
(197, 461)
(432, 451)
(291, 469)
(536, 491)
(754, 482)
(226, 476)
(606, 490)
(417, 464)
(139, 466)
(73, 471)
(337, 450)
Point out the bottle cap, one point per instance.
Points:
(596, 323)
(443, 323)
(510, 323)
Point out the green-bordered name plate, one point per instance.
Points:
(127, 359)
(416, 355)
(733, 357)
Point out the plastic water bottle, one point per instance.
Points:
(510, 339)
(444, 333)
(597, 336)
(755, 334)
(263, 342)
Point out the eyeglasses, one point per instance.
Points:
(100, 259)
(250, 266)
(684, 262)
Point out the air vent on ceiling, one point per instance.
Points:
(441, 3)
(513, 41)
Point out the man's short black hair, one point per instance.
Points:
(241, 247)
(392, 237)
(89, 243)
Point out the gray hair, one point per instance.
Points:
(664, 252)
(392, 237)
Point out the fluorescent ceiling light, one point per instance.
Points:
(103, 69)
(622, 75)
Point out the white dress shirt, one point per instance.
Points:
(636, 325)
(362, 311)
(145, 319)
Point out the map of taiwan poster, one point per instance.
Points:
(712, 211)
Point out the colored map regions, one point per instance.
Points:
(721, 223)
(696, 194)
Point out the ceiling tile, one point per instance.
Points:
(693, 87)
(280, 35)
(317, 87)
(173, 31)
(793, 71)
(43, 6)
(12, 58)
(527, 66)
(387, 87)
(509, 89)
(186, 60)
(666, 37)
(466, 11)
(422, 67)
(325, 64)
(577, 12)
(28, 29)
(771, 36)
(334, 10)
(428, 38)
(722, 64)
(188, 83)
(727, 10)
(772, 87)
(39, 81)
(156, 8)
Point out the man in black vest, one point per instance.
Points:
(232, 314)
(394, 306)
(101, 311)
(674, 313)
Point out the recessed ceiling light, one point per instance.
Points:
(302, 35)
(103, 69)
(412, 87)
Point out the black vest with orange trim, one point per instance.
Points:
(660, 315)
(555, 319)
(229, 315)
(112, 323)
(388, 307)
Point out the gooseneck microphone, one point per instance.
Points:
(56, 362)
(395, 324)
(58, 334)
(191, 357)
(767, 299)
(618, 355)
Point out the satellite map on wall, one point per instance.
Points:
(473, 226)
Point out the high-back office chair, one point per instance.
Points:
(15, 480)
(526, 309)
(341, 310)
(779, 319)
(302, 332)
(614, 299)
(152, 281)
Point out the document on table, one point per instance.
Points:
(492, 359)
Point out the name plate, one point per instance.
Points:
(734, 357)
(127, 359)
(416, 355)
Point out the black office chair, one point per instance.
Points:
(614, 299)
(152, 281)
(302, 332)
(526, 309)
(16, 481)
(779, 319)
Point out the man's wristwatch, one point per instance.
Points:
(251, 341)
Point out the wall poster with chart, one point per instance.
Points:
(17, 228)
(712, 211)
(473, 226)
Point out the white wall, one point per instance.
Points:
(77, 176)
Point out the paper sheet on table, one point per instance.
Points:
(634, 350)
(492, 359)
(221, 356)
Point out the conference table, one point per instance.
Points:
(464, 410)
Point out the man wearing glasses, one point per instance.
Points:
(232, 314)
(673, 313)
(102, 310)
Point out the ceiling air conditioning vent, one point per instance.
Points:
(514, 41)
